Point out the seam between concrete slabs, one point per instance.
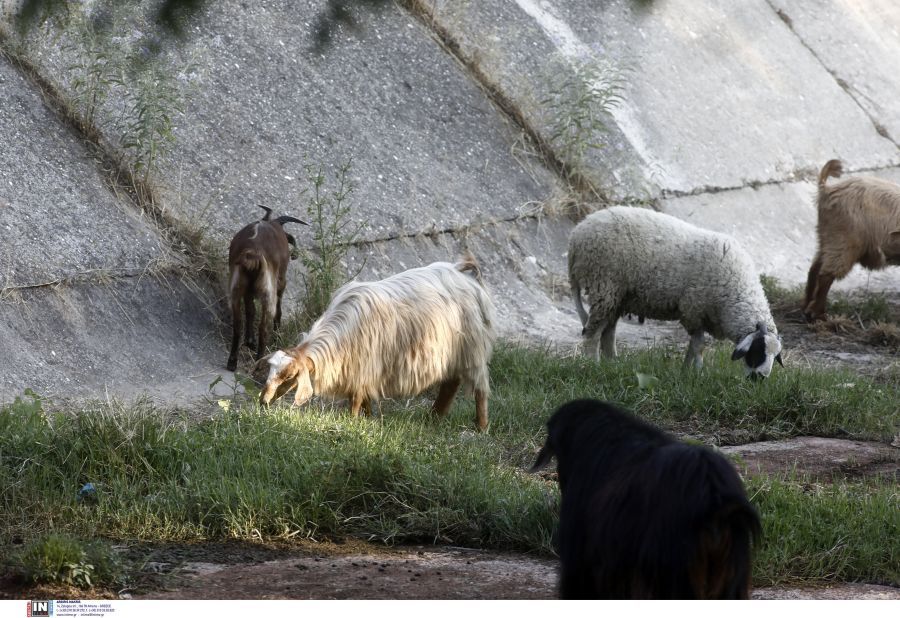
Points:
(842, 84)
(570, 178)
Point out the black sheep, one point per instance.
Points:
(644, 516)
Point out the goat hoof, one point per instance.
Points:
(232, 364)
(250, 343)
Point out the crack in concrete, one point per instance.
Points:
(800, 175)
(434, 232)
(95, 275)
(841, 83)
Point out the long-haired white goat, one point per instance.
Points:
(395, 338)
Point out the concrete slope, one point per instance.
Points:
(728, 108)
(436, 168)
(91, 297)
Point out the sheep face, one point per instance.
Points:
(760, 350)
(286, 372)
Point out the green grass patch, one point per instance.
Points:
(248, 473)
(839, 532)
(61, 559)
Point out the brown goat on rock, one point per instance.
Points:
(257, 268)
(859, 223)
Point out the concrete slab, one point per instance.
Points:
(124, 338)
(429, 149)
(858, 42)
(719, 94)
(57, 215)
(777, 224)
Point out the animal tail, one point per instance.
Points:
(468, 264)
(250, 260)
(834, 168)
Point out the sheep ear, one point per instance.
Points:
(778, 358)
(543, 458)
(741, 349)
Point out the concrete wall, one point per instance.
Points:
(728, 110)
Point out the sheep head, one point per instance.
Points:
(287, 371)
(760, 350)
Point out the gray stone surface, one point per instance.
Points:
(85, 308)
(121, 339)
(719, 94)
(57, 216)
(859, 43)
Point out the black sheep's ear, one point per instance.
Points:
(778, 358)
(543, 458)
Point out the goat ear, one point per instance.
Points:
(741, 349)
(310, 365)
(543, 458)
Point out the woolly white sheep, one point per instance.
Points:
(635, 260)
(395, 338)
(859, 223)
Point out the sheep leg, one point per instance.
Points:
(481, 409)
(446, 393)
(694, 356)
(593, 334)
(608, 340)
(811, 284)
(816, 308)
(236, 332)
(249, 318)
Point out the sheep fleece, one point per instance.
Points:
(634, 260)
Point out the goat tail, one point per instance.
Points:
(834, 168)
(250, 260)
(468, 264)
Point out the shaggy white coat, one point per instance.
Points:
(396, 337)
(638, 261)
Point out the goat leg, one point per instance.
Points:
(816, 310)
(444, 400)
(481, 409)
(811, 285)
(236, 332)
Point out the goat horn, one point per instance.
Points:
(268, 212)
(286, 219)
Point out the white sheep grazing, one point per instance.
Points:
(395, 338)
(634, 260)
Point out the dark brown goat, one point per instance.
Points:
(257, 268)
